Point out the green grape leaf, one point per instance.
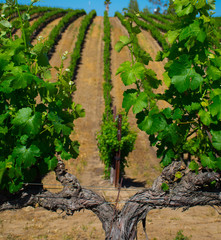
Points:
(3, 130)
(15, 186)
(5, 24)
(129, 74)
(58, 126)
(26, 156)
(24, 139)
(200, 4)
(167, 112)
(211, 4)
(168, 157)
(205, 117)
(183, 75)
(215, 107)
(180, 72)
(153, 123)
(213, 73)
(166, 79)
(193, 107)
(2, 170)
(74, 150)
(65, 155)
(20, 79)
(136, 29)
(216, 139)
(3, 62)
(172, 35)
(140, 103)
(170, 134)
(165, 187)
(118, 46)
(196, 80)
(178, 175)
(129, 98)
(27, 123)
(194, 166)
(22, 116)
(177, 114)
(195, 30)
(79, 111)
(208, 161)
(125, 40)
(51, 163)
(183, 8)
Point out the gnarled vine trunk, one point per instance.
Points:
(191, 190)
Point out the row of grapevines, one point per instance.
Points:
(33, 131)
(12, 12)
(47, 18)
(163, 27)
(29, 15)
(157, 35)
(140, 54)
(107, 63)
(170, 17)
(76, 55)
(61, 26)
(108, 143)
(160, 18)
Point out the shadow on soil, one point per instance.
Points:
(130, 182)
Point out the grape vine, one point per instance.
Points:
(190, 129)
(36, 116)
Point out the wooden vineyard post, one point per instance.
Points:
(112, 172)
(118, 153)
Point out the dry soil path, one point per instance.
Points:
(66, 43)
(46, 30)
(89, 83)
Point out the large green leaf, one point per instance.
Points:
(19, 78)
(153, 124)
(215, 107)
(130, 73)
(214, 73)
(168, 157)
(208, 161)
(125, 40)
(129, 98)
(140, 103)
(216, 139)
(193, 30)
(172, 35)
(28, 124)
(205, 117)
(183, 76)
(51, 162)
(22, 116)
(118, 46)
(26, 156)
(183, 7)
(58, 124)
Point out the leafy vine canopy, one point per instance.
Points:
(190, 128)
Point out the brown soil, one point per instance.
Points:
(46, 31)
(66, 43)
(203, 223)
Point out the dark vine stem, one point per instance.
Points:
(186, 193)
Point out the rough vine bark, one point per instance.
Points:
(191, 190)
